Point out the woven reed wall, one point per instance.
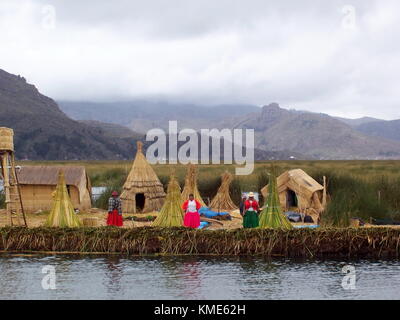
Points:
(6, 139)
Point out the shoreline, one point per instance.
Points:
(375, 243)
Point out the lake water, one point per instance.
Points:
(113, 277)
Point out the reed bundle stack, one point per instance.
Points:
(171, 214)
(191, 185)
(272, 216)
(222, 201)
(63, 213)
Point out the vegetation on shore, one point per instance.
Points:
(329, 242)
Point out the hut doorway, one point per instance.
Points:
(140, 201)
(292, 201)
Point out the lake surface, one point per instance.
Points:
(114, 277)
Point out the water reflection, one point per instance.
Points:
(115, 277)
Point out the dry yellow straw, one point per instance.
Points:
(62, 213)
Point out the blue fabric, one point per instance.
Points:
(203, 224)
(211, 214)
(314, 226)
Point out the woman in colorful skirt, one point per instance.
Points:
(250, 219)
(114, 211)
(192, 216)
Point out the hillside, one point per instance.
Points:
(44, 132)
(383, 129)
(318, 135)
(142, 116)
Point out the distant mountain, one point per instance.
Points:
(142, 116)
(318, 135)
(44, 132)
(382, 129)
(360, 121)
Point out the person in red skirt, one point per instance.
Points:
(114, 210)
(192, 216)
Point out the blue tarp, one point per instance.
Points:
(203, 224)
(211, 214)
(314, 226)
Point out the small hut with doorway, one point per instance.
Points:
(301, 193)
(142, 192)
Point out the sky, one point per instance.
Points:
(336, 57)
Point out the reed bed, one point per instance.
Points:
(304, 243)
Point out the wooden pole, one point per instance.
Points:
(18, 188)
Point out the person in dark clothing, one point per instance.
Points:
(242, 205)
(114, 210)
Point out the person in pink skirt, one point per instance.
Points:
(192, 216)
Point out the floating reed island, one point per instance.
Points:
(300, 243)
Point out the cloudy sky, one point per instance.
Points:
(338, 57)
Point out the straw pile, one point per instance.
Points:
(272, 215)
(222, 201)
(171, 214)
(191, 185)
(62, 214)
(142, 180)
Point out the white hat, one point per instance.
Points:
(251, 194)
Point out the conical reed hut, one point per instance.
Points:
(142, 192)
(191, 185)
(62, 213)
(222, 200)
(272, 216)
(171, 214)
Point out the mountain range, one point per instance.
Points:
(313, 135)
(76, 130)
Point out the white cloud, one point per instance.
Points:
(296, 53)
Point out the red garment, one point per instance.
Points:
(254, 204)
(114, 219)
(186, 203)
(192, 220)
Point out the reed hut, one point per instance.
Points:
(171, 214)
(299, 192)
(222, 200)
(142, 192)
(37, 183)
(62, 213)
(191, 185)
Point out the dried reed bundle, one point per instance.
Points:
(222, 200)
(191, 185)
(62, 214)
(272, 216)
(91, 222)
(171, 214)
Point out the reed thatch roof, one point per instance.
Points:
(48, 175)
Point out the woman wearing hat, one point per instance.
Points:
(250, 219)
(114, 210)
